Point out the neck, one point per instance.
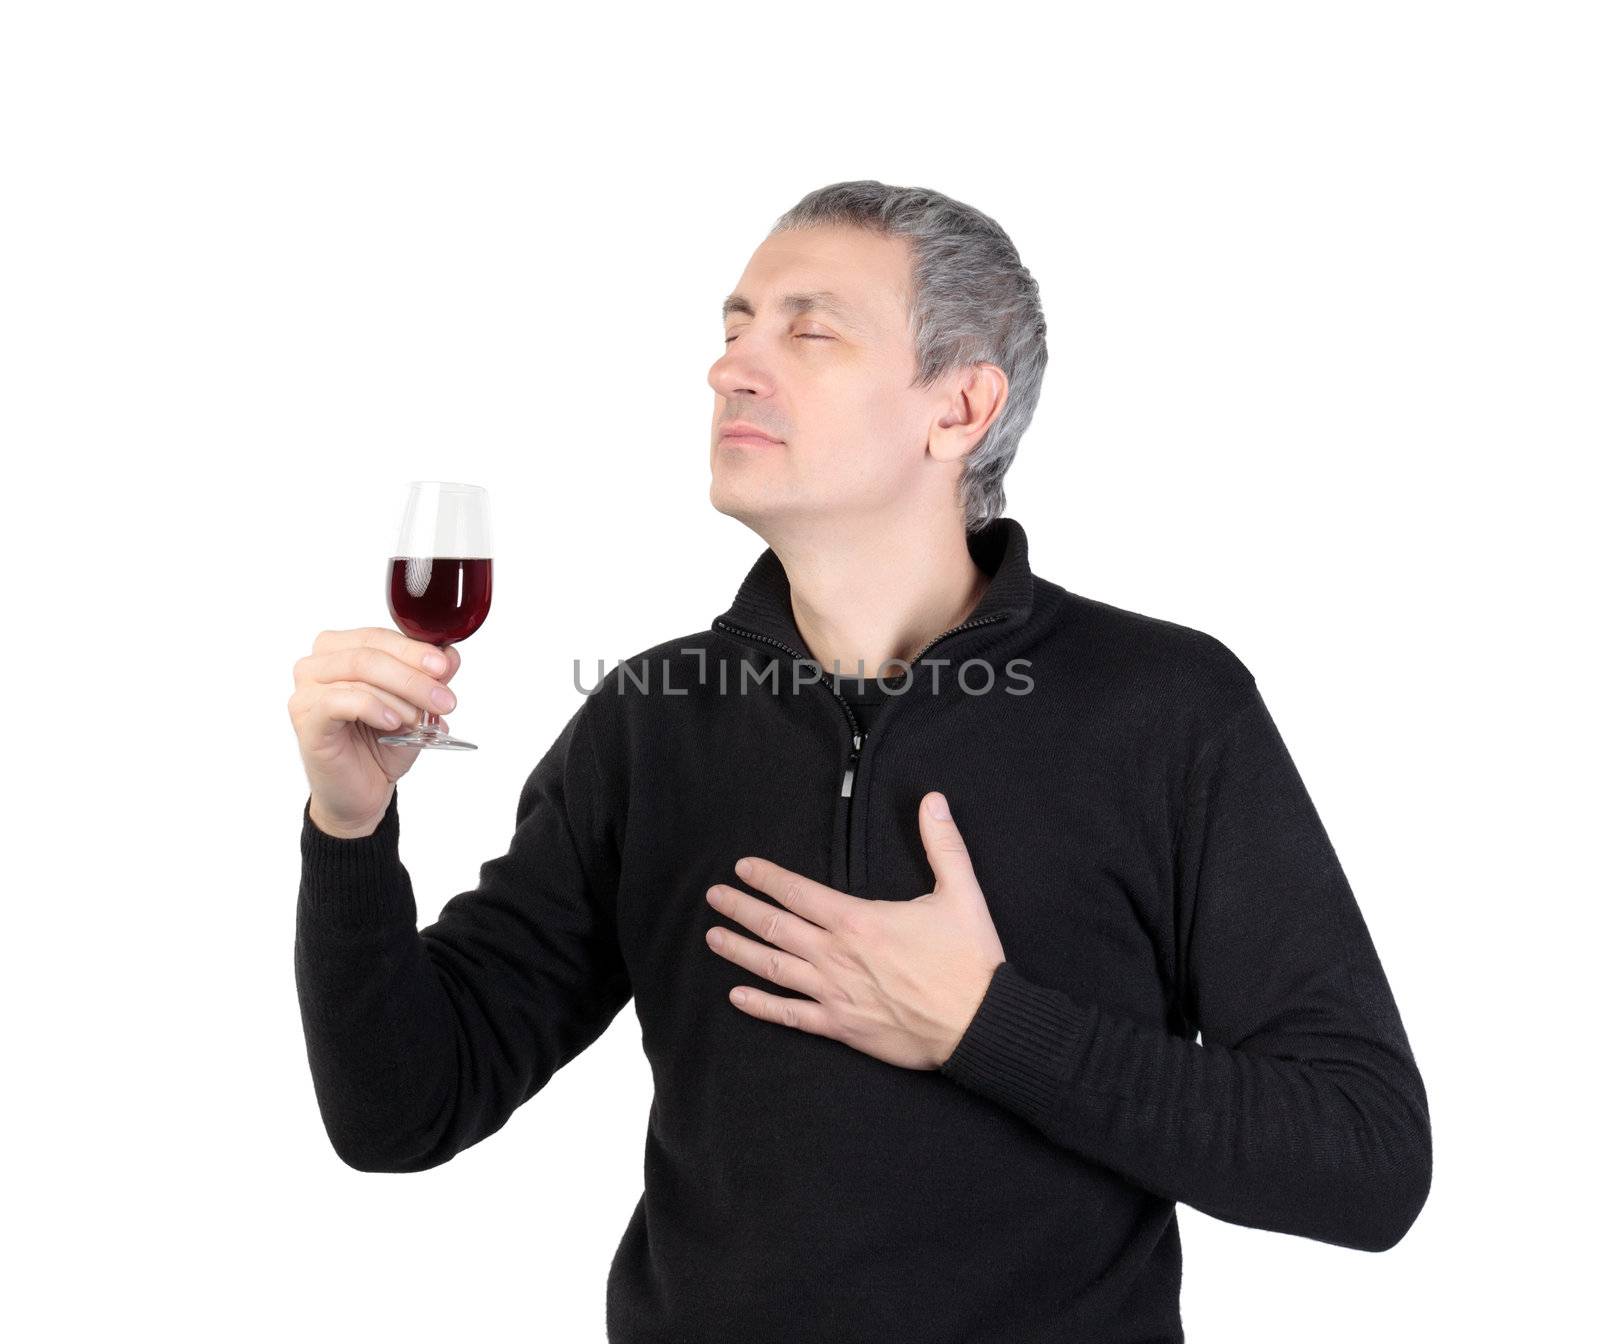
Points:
(866, 592)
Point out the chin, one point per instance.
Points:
(748, 507)
(727, 501)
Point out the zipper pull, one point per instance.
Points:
(850, 768)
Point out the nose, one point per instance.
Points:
(736, 374)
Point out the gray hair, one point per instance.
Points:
(972, 301)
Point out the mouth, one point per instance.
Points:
(750, 440)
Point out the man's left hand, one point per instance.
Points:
(897, 980)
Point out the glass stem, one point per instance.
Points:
(429, 719)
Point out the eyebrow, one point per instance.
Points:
(824, 300)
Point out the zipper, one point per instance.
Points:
(850, 765)
(982, 620)
(857, 733)
(856, 730)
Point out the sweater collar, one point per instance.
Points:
(999, 548)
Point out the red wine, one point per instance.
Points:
(441, 599)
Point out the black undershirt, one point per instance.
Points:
(866, 696)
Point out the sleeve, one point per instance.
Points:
(422, 1043)
(1303, 1111)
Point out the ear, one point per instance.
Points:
(970, 410)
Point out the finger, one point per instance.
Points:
(409, 714)
(378, 669)
(339, 705)
(941, 839)
(801, 1014)
(771, 963)
(413, 651)
(822, 905)
(778, 926)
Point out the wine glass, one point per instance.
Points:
(440, 579)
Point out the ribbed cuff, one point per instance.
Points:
(1021, 1045)
(355, 880)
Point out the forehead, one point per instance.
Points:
(861, 278)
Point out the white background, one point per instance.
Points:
(1321, 292)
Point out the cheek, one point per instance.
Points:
(864, 459)
(886, 423)
(858, 422)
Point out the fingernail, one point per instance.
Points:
(436, 663)
(443, 699)
(937, 807)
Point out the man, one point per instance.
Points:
(920, 951)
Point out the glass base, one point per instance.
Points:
(428, 735)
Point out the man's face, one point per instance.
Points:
(830, 379)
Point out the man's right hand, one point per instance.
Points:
(343, 691)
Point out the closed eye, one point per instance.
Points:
(799, 335)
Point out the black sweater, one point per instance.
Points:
(1155, 870)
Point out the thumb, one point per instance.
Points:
(947, 851)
